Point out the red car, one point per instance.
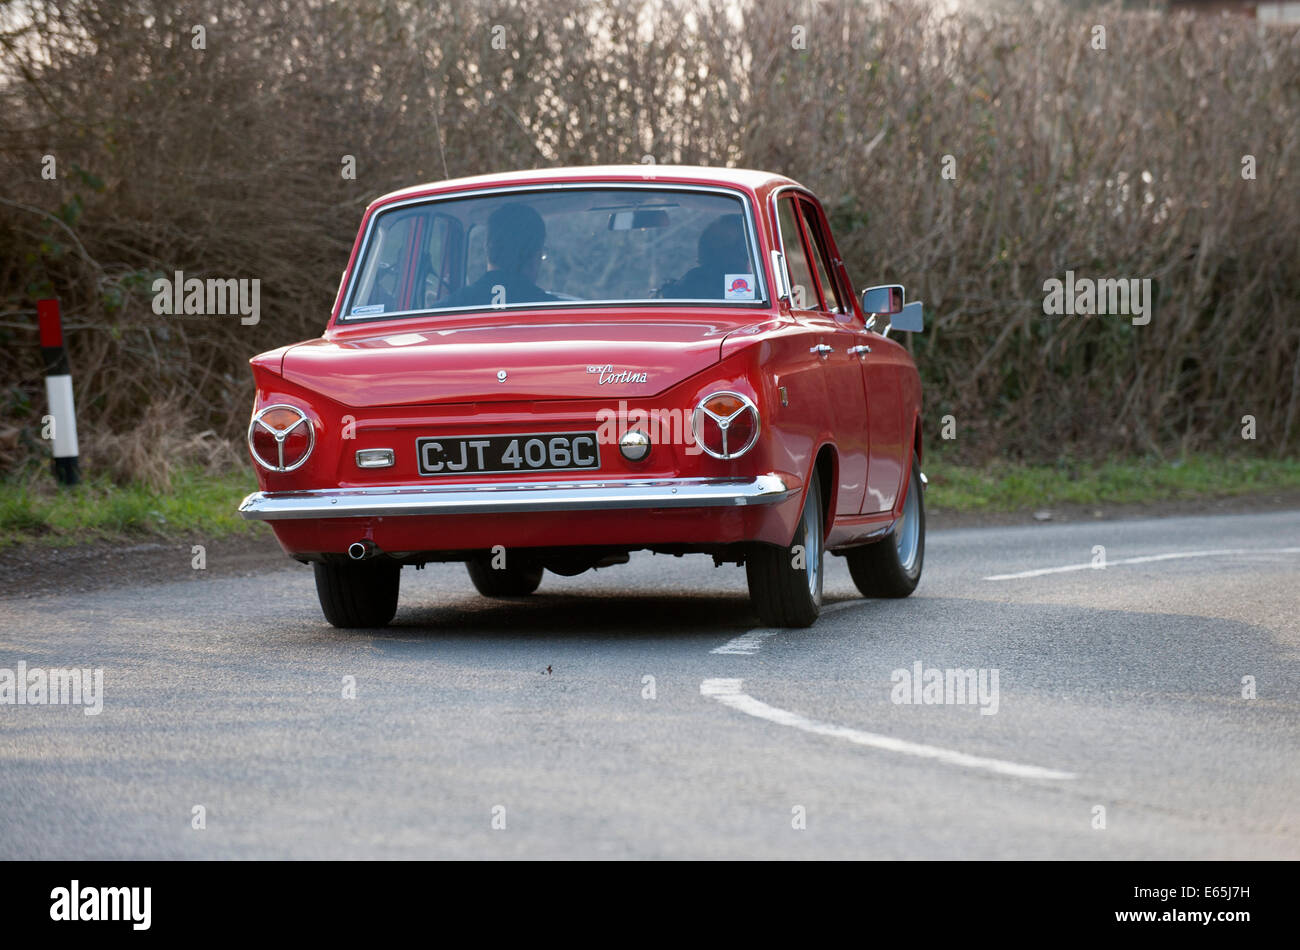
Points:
(548, 370)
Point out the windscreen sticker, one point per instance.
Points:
(738, 286)
(369, 311)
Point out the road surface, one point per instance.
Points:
(1122, 725)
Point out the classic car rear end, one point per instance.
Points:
(547, 371)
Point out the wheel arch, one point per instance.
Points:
(826, 470)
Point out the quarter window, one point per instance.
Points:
(803, 288)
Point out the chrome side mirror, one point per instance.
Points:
(887, 299)
(909, 319)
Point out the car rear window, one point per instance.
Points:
(575, 246)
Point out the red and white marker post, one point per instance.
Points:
(58, 388)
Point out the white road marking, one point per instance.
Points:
(751, 641)
(728, 692)
(747, 644)
(1148, 559)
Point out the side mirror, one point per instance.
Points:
(909, 318)
(887, 298)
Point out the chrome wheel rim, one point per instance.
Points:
(812, 546)
(908, 534)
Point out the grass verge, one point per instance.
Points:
(1014, 487)
(33, 509)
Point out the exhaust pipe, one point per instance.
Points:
(360, 550)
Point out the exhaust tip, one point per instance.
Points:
(360, 550)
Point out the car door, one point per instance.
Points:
(882, 376)
(881, 403)
(812, 303)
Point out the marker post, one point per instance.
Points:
(58, 389)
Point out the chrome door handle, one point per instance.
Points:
(822, 350)
(859, 349)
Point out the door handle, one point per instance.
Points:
(859, 349)
(822, 350)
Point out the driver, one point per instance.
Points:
(516, 236)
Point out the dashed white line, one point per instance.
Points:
(747, 644)
(1148, 559)
(728, 692)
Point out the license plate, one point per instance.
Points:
(507, 454)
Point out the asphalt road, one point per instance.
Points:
(1118, 688)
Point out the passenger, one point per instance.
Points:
(516, 236)
(721, 251)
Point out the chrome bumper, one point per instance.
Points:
(487, 498)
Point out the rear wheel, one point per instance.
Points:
(514, 580)
(891, 567)
(358, 593)
(785, 584)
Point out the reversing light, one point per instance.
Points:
(281, 438)
(725, 424)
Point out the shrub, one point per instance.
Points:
(226, 162)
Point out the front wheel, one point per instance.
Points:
(891, 567)
(785, 584)
(358, 593)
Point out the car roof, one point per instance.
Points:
(745, 178)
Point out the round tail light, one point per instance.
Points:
(725, 424)
(281, 438)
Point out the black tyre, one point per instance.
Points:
(513, 580)
(891, 567)
(785, 584)
(358, 593)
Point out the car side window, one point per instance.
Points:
(803, 287)
(812, 220)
